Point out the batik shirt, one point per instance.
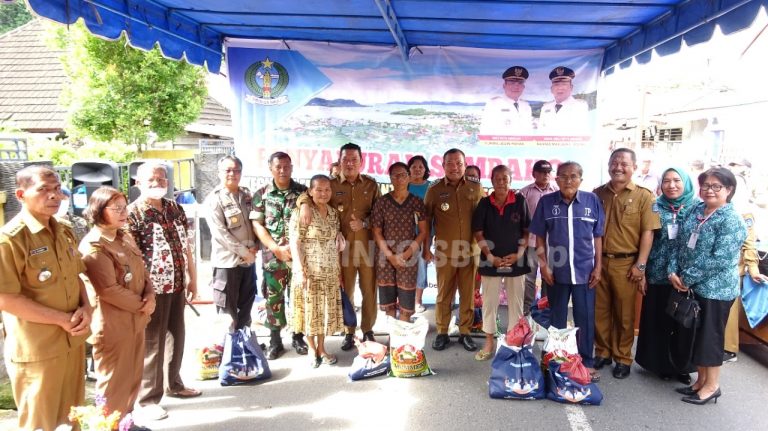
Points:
(272, 208)
(710, 267)
(162, 239)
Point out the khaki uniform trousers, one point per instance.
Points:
(615, 311)
(515, 287)
(119, 367)
(453, 274)
(357, 260)
(45, 390)
(732, 327)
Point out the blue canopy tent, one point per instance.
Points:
(196, 29)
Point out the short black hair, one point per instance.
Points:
(624, 150)
(724, 175)
(350, 146)
(498, 168)
(475, 167)
(454, 151)
(423, 161)
(316, 178)
(397, 165)
(27, 176)
(279, 155)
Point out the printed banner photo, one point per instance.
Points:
(498, 106)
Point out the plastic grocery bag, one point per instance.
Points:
(243, 360)
(515, 374)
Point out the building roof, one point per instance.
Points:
(32, 77)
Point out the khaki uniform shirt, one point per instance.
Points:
(352, 198)
(44, 267)
(450, 209)
(627, 215)
(231, 230)
(119, 280)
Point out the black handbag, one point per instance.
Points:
(684, 309)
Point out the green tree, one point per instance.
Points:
(119, 93)
(13, 15)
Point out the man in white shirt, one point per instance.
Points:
(508, 114)
(565, 115)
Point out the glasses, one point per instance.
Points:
(399, 176)
(119, 209)
(714, 187)
(569, 178)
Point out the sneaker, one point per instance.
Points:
(729, 357)
(149, 413)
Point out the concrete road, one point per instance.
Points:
(456, 398)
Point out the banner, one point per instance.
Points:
(443, 97)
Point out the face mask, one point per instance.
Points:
(63, 209)
(154, 192)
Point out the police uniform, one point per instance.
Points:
(356, 198)
(568, 117)
(120, 282)
(450, 209)
(503, 116)
(232, 237)
(627, 215)
(45, 363)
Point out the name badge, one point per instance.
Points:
(692, 240)
(672, 230)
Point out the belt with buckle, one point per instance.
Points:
(619, 255)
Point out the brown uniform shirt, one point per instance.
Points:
(352, 198)
(45, 268)
(119, 279)
(450, 208)
(627, 215)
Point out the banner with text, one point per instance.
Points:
(443, 97)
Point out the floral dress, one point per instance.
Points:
(317, 309)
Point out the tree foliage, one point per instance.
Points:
(119, 93)
(13, 15)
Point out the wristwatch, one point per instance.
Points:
(641, 267)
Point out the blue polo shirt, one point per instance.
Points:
(570, 232)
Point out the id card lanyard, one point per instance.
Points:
(695, 235)
(673, 228)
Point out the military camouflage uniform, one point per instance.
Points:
(272, 209)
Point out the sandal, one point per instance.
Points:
(315, 360)
(329, 359)
(185, 393)
(482, 355)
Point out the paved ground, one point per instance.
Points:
(456, 398)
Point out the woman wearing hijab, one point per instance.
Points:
(661, 342)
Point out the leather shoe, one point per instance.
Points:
(274, 351)
(687, 390)
(368, 336)
(684, 378)
(695, 399)
(601, 362)
(467, 342)
(441, 342)
(621, 371)
(300, 345)
(348, 343)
